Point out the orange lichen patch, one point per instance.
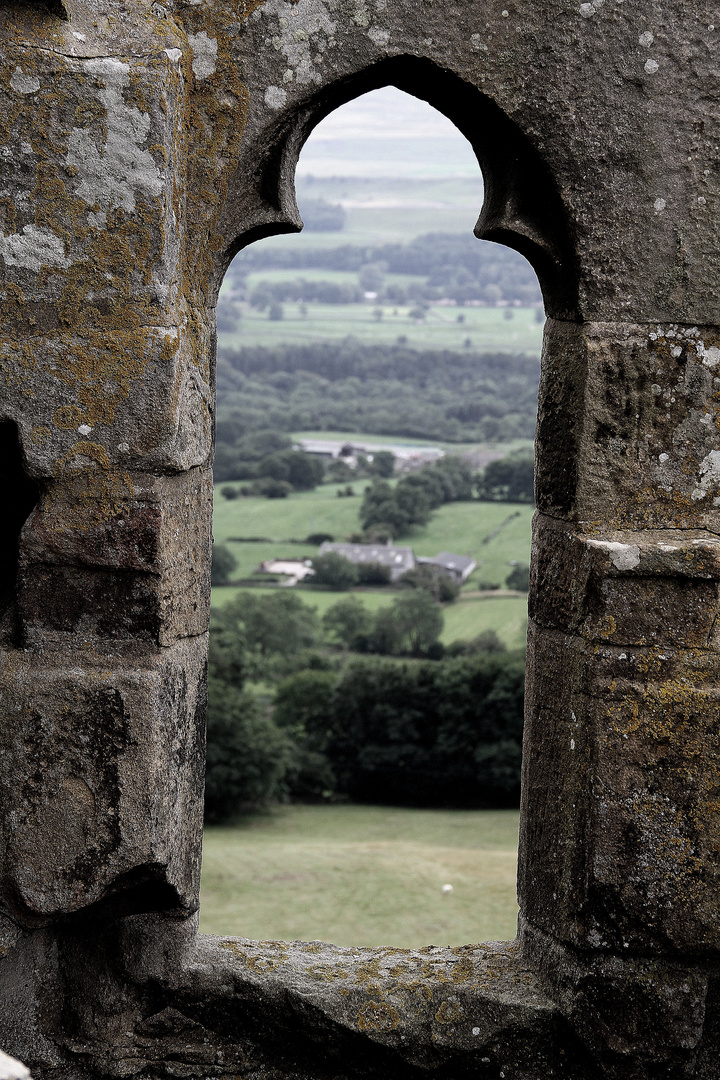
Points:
(449, 1012)
(378, 1016)
(89, 490)
(100, 370)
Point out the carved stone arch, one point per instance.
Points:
(522, 208)
(125, 126)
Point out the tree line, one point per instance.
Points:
(444, 732)
(388, 390)
(456, 265)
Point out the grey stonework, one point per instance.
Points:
(144, 143)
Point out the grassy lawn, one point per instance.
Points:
(356, 875)
(296, 517)
(471, 616)
(485, 328)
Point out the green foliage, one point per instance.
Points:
(508, 480)
(319, 215)
(438, 734)
(302, 471)
(371, 277)
(248, 756)
(256, 635)
(223, 564)
(487, 641)
(519, 578)
(374, 574)
(410, 502)
(272, 489)
(383, 463)
(419, 621)
(334, 571)
(456, 265)
(396, 509)
(434, 581)
(229, 492)
(383, 389)
(319, 538)
(348, 621)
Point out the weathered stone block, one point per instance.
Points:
(106, 757)
(626, 587)
(621, 778)
(107, 555)
(628, 426)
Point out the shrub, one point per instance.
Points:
(319, 538)
(229, 492)
(373, 574)
(223, 564)
(334, 571)
(519, 578)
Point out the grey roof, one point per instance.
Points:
(399, 559)
(453, 562)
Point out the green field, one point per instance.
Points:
(486, 329)
(457, 527)
(337, 277)
(357, 875)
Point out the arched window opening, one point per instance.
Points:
(377, 390)
(20, 496)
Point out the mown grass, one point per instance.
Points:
(357, 875)
(483, 329)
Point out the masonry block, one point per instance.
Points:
(106, 755)
(110, 556)
(621, 767)
(628, 425)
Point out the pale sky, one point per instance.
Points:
(382, 131)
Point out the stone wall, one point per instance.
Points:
(144, 144)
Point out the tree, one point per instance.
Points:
(347, 620)
(334, 571)
(435, 581)
(519, 578)
(374, 574)
(371, 277)
(383, 463)
(508, 480)
(223, 564)
(247, 754)
(419, 621)
(257, 636)
(303, 709)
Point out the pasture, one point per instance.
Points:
(484, 329)
(465, 528)
(362, 875)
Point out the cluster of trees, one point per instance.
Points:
(509, 479)
(266, 458)
(379, 389)
(444, 732)
(410, 626)
(301, 290)
(394, 510)
(455, 265)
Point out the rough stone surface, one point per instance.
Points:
(144, 142)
